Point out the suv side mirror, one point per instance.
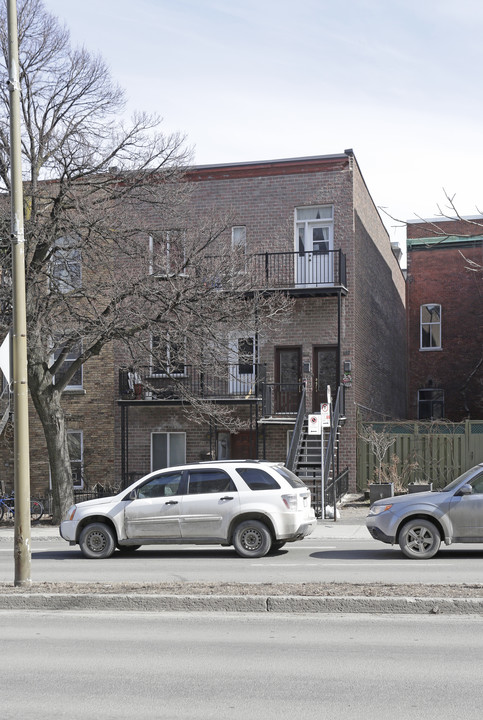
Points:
(465, 490)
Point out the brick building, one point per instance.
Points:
(309, 228)
(445, 319)
(310, 224)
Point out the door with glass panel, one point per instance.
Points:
(325, 373)
(242, 365)
(314, 244)
(288, 379)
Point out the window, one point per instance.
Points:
(239, 243)
(66, 265)
(246, 355)
(161, 486)
(168, 253)
(209, 481)
(258, 479)
(430, 404)
(76, 381)
(76, 454)
(167, 449)
(167, 357)
(477, 485)
(430, 337)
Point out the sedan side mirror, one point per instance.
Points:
(133, 494)
(465, 490)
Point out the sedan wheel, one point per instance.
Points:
(252, 539)
(97, 541)
(419, 539)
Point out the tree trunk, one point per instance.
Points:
(51, 416)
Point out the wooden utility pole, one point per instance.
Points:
(22, 546)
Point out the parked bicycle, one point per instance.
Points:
(7, 508)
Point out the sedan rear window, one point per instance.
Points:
(289, 476)
(257, 479)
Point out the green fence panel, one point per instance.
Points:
(434, 452)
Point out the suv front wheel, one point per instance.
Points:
(419, 539)
(252, 539)
(97, 541)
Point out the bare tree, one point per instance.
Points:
(101, 200)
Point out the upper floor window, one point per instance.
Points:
(430, 327)
(66, 273)
(168, 253)
(430, 404)
(168, 356)
(76, 381)
(239, 242)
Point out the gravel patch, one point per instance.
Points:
(254, 589)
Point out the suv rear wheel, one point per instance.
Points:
(419, 539)
(252, 539)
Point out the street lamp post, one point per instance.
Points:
(22, 549)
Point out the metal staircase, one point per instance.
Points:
(305, 458)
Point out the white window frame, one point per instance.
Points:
(66, 257)
(168, 236)
(79, 460)
(72, 357)
(169, 373)
(430, 324)
(239, 242)
(313, 267)
(168, 433)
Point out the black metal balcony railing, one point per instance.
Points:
(228, 382)
(298, 270)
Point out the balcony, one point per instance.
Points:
(300, 272)
(229, 383)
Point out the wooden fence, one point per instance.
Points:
(434, 452)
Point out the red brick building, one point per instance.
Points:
(445, 319)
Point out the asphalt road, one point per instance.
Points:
(207, 667)
(311, 560)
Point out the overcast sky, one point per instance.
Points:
(399, 81)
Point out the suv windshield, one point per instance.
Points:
(289, 476)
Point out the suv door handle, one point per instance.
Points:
(227, 497)
(172, 502)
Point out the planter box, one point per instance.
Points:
(419, 487)
(378, 491)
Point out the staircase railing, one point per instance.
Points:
(338, 484)
(297, 432)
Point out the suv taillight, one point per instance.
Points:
(290, 501)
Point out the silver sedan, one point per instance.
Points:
(419, 522)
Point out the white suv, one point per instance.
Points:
(254, 506)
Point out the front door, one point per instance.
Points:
(314, 245)
(242, 365)
(154, 513)
(325, 373)
(288, 379)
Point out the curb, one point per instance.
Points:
(241, 603)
